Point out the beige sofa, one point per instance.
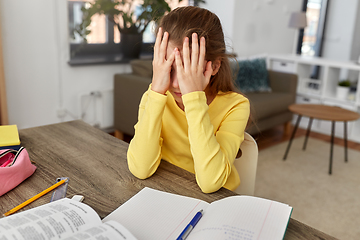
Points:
(268, 109)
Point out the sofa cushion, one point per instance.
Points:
(142, 68)
(265, 105)
(252, 76)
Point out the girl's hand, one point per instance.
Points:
(161, 65)
(193, 72)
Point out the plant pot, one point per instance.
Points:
(130, 45)
(342, 92)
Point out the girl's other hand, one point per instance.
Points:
(193, 71)
(161, 65)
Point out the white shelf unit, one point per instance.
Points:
(325, 93)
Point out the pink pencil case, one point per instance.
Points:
(15, 167)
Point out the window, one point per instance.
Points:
(104, 40)
(311, 38)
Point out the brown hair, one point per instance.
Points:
(182, 22)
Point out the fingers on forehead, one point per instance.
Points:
(197, 38)
(199, 33)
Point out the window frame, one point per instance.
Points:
(104, 53)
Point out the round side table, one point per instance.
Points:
(322, 112)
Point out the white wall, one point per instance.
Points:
(36, 50)
(355, 53)
(261, 26)
(342, 34)
(257, 26)
(340, 28)
(225, 11)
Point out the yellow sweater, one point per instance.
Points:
(202, 139)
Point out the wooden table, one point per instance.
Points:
(96, 164)
(322, 112)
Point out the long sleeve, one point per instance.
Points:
(214, 154)
(144, 153)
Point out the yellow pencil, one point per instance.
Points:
(34, 198)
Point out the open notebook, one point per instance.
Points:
(153, 214)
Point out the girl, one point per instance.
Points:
(191, 114)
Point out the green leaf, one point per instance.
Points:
(344, 83)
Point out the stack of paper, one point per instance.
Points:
(9, 137)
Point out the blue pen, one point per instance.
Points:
(183, 235)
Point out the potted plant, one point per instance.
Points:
(343, 89)
(131, 17)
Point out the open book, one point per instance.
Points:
(63, 219)
(153, 214)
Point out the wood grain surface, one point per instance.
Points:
(96, 164)
(324, 112)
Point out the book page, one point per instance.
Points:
(55, 220)
(153, 214)
(105, 231)
(243, 218)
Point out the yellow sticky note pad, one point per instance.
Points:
(9, 135)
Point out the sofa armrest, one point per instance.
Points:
(283, 82)
(128, 90)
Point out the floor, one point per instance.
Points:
(276, 135)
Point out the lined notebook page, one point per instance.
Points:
(243, 218)
(153, 214)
